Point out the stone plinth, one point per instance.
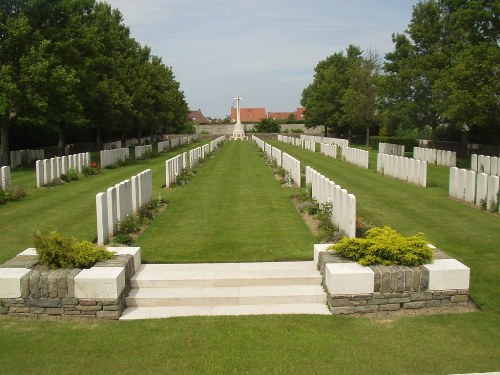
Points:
(100, 283)
(348, 278)
(447, 274)
(10, 282)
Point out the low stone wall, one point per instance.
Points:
(353, 289)
(64, 293)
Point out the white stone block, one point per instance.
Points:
(31, 251)
(348, 278)
(46, 171)
(10, 282)
(481, 188)
(494, 166)
(473, 162)
(100, 283)
(112, 213)
(445, 274)
(493, 187)
(53, 169)
(5, 179)
(134, 251)
(470, 187)
(320, 248)
(102, 218)
(487, 165)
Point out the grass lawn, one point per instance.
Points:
(437, 344)
(70, 208)
(232, 210)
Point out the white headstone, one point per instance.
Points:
(102, 219)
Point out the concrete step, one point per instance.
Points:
(226, 274)
(133, 313)
(241, 295)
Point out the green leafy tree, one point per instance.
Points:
(268, 125)
(15, 40)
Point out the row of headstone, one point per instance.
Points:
(141, 150)
(391, 149)
(131, 142)
(112, 145)
(144, 141)
(410, 170)
(474, 188)
(277, 155)
(174, 167)
(163, 146)
(214, 145)
(197, 154)
(25, 157)
(5, 179)
(120, 201)
(485, 164)
(328, 149)
(442, 158)
(288, 162)
(333, 141)
(309, 145)
(343, 204)
(114, 156)
(356, 156)
(47, 170)
(292, 166)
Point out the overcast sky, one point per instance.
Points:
(263, 50)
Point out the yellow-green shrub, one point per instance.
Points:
(385, 246)
(58, 251)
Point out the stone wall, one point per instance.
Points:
(221, 129)
(394, 288)
(50, 294)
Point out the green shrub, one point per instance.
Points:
(11, 195)
(386, 246)
(267, 125)
(58, 251)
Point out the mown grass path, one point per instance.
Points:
(233, 210)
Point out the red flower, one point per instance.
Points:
(93, 164)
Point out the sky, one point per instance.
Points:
(264, 51)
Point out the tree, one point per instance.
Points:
(268, 125)
(359, 100)
(343, 93)
(15, 40)
(447, 69)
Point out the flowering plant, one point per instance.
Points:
(362, 226)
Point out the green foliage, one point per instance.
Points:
(130, 225)
(72, 175)
(297, 131)
(267, 125)
(58, 251)
(12, 195)
(385, 246)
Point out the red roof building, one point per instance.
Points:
(198, 117)
(299, 114)
(249, 115)
(279, 115)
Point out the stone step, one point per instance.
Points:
(226, 274)
(158, 312)
(211, 296)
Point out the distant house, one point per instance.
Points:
(249, 115)
(198, 117)
(299, 114)
(279, 115)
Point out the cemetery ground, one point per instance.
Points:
(434, 344)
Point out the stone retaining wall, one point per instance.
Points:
(51, 293)
(394, 288)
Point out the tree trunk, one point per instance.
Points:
(4, 141)
(61, 142)
(139, 133)
(326, 130)
(434, 135)
(368, 135)
(98, 137)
